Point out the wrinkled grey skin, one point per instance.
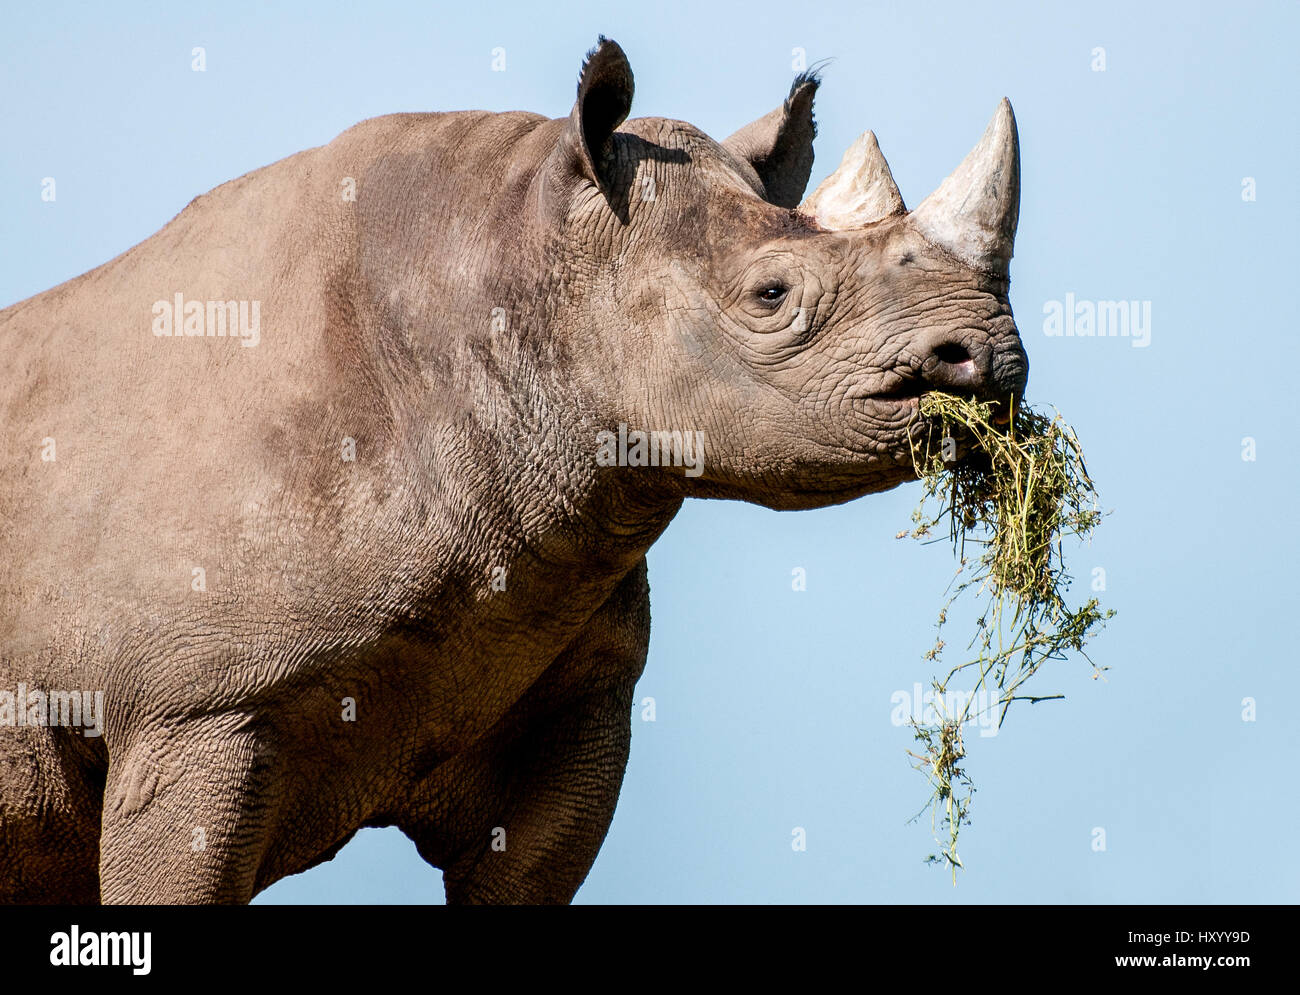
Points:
(226, 761)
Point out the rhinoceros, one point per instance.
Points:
(327, 506)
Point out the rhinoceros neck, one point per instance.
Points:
(471, 297)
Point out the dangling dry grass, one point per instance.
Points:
(1009, 507)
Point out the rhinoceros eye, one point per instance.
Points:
(773, 293)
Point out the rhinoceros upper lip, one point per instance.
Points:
(911, 388)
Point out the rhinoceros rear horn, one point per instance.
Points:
(974, 213)
(860, 192)
(604, 100)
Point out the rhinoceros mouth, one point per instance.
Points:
(888, 408)
(913, 389)
(907, 393)
(893, 425)
(905, 387)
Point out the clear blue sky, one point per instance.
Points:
(773, 706)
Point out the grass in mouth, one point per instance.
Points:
(1008, 507)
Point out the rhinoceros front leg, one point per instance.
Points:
(549, 827)
(184, 822)
(521, 818)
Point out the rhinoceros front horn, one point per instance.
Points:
(974, 212)
(860, 192)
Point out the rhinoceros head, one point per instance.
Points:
(794, 337)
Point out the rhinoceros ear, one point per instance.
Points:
(779, 145)
(604, 99)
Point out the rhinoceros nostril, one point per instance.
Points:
(953, 354)
(951, 367)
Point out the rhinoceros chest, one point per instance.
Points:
(446, 672)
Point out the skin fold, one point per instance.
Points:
(369, 570)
